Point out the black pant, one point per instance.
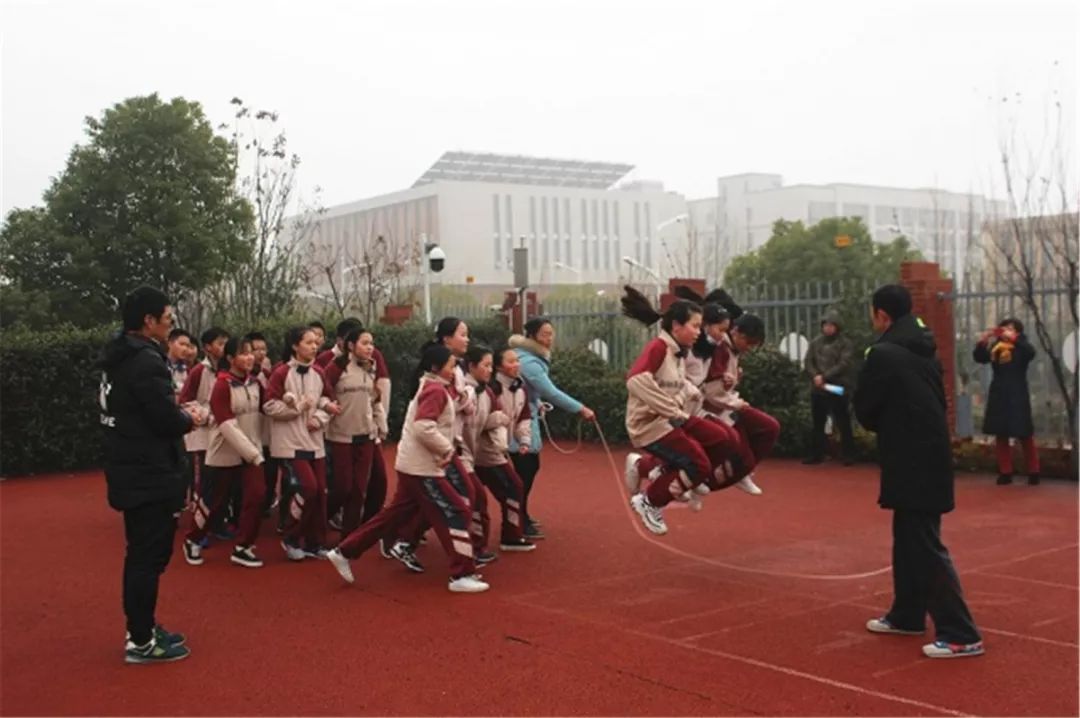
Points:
(821, 405)
(925, 581)
(526, 466)
(149, 530)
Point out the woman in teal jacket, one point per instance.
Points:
(534, 349)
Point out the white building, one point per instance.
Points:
(739, 219)
(577, 224)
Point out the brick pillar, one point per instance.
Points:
(666, 299)
(928, 290)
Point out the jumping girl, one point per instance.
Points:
(426, 449)
(352, 433)
(300, 404)
(234, 454)
(658, 405)
(487, 444)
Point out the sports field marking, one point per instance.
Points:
(842, 685)
(1035, 581)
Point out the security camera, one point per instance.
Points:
(436, 259)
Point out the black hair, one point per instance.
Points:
(716, 296)
(177, 333)
(345, 326)
(894, 300)
(636, 306)
(534, 325)
(446, 328)
(351, 337)
(476, 354)
(497, 356)
(294, 335)
(256, 337)
(434, 358)
(316, 324)
(750, 326)
(231, 348)
(141, 302)
(211, 335)
(1019, 325)
(710, 314)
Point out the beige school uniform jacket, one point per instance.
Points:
(428, 432)
(297, 392)
(657, 391)
(236, 433)
(197, 388)
(362, 412)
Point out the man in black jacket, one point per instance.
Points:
(143, 426)
(901, 396)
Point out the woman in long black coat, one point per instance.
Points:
(1008, 407)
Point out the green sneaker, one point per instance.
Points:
(162, 636)
(154, 652)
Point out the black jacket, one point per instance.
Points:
(901, 396)
(832, 357)
(1008, 408)
(143, 425)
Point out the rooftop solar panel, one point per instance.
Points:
(519, 169)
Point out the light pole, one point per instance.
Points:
(652, 272)
(575, 270)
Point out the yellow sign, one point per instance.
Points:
(842, 240)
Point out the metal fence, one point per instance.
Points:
(979, 306)
(792, 315)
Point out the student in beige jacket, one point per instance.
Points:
(425, 451)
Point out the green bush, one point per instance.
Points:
(589, 379)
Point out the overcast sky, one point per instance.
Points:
(371, 93)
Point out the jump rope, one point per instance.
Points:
(648, 537)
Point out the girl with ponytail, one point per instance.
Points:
(659, 412)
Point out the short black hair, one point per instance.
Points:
(212, 334)
(476, 354)
(534, 325)
(317, 325)
(255, 337)
(139, 303)
(1016, 323)
(345, 327)
(177, 333)
(894, 300)
(751, 326)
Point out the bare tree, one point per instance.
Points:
(1035, 249)
(267, 286)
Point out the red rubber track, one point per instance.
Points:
(758, 611)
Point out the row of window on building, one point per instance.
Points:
(581, 235)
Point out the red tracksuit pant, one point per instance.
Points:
(352, 475)
(441, 506)
(507, 488)
(376, 490)
(1004, 455)
(307, 506)
(470, 488)
(684, 453)
(253, 490)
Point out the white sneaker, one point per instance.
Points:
(747, 484)
(652, 517)
(293, 553)
(339, 562)
(631, 476)
(882, 625)
(193, 553)
(468, 584)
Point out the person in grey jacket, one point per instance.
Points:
(829, 362)
(534, 350)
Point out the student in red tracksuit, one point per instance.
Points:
(426, 450)
(376, 492)
(352, 434)
(453, 334)
(261, 372)
(659, 406)
(300, 404)
(196, 392)
(487, 445)
(234, 454)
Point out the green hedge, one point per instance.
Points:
(49, 413)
